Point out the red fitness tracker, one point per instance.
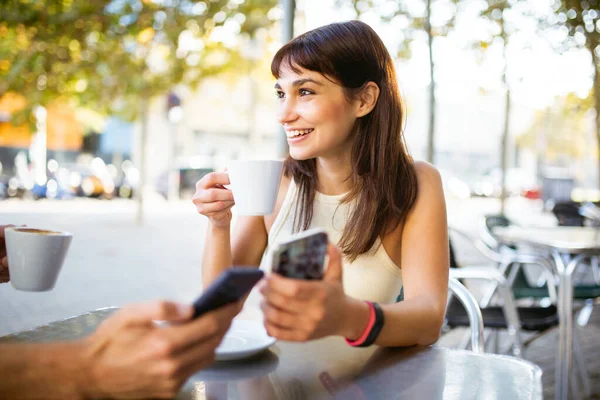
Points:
(371, 332)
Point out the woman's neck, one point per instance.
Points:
(333, 176)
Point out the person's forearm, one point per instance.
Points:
(411, 322)
(42, 371)
(217, 253)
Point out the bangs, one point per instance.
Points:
(302, 53)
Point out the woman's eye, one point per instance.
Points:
(279, 94)
(304, 92)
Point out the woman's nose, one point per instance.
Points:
(287, 111)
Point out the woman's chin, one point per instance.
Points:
(300, 155)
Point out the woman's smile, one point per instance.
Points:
(298, 135)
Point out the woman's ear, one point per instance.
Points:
(367, 99)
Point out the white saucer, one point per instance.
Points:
(243, 339)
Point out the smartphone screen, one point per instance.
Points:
(302, 257)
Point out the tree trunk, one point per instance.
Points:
(431, 133)
(506, 127)
(39, 145)
(143, 138)
(289, 9)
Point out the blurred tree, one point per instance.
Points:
(433, 18)
(494, 11)
(579, 21)
(504, 18)
(560, 130)
(109, 55)
(115, 56)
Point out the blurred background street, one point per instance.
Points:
(114, 261)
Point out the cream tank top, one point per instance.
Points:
(372, 276)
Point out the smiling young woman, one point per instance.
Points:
(348, 172)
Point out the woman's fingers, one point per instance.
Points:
(212, 200)
(213, 195)
(216, 207)
(283, 302)
(292, 335)
(213, 179)
(279, 317)
(334, 270)
(293, 288)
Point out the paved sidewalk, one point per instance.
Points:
(112, 261)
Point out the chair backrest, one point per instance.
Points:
(567, 213)
(494, 220)
(490, 222)
(469, 302)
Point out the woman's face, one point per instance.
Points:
(315, 114)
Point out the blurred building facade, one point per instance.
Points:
(64, 136)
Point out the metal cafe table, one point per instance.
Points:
(568, 247)
(329, 368)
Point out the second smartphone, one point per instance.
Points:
(229, 287)
(302, 256)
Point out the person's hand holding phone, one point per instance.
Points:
(301, 310)
(130, 356)
(213, 200)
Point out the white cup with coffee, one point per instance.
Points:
(35, 257)
(255, 184)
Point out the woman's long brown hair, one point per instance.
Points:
(384, 182)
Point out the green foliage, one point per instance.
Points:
(411, 18)
(580, 18)
(110, 55)
(562, 127)
(503, 18)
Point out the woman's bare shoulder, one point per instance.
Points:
(427, 174)
(429, 193)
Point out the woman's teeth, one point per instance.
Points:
(297, 133)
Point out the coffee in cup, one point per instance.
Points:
(35, 257)
(255, 184)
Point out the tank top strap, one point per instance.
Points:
(285, 211)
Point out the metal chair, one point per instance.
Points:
(508, 260)
(505, 316)
(591, 213)
(475, 319)
(567, 213)
(489, 222)
(521, 286)
(508, 316)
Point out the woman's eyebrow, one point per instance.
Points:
(300, 82)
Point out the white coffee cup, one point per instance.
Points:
(255, 184)
(35, 257)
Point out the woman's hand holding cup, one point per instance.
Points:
(213, 200)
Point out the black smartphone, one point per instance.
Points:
(229, 287)
(302, 256)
